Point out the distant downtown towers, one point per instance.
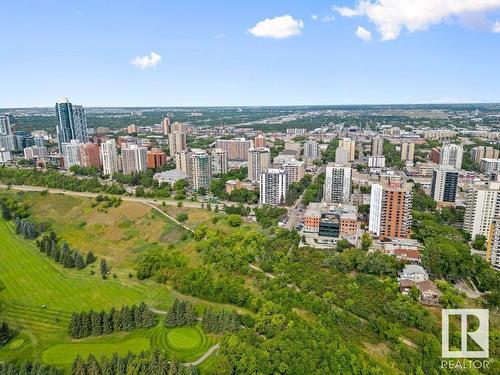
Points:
(72, 123)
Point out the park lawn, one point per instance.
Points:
(119, 234)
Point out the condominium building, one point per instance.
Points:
(337, 187)
(165, 126)
(177, 142)
(200, 165)
(237, 149)
(483, 152)
(493, 244)
(134, 159)
(439, 134)
(156, 158)
(311, 150)
(35, 153)
(444, 184)
(376, 161)
(71, 153)
(350, 145)
(295, 170)
(260, 141)
(390, 209)
(451, 154)
(488, 166)
(71, 122)
(182, 161)
(482, 204)
(296, 131)
(5, 126)
(259, 159)
(8, 142)
(109, 157)
(377, 146)
(273, 185)
(342, 155)
(219, 162)
(90, 155)
(407, 151)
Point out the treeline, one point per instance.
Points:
(94, 323)
(29, 229)
(220, 322)
(65, 255)
(28, 368)
(5, 334)
(181, 313)
(56, 180)
(145, 363)
(314, 192)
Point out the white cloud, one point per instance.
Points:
(328, 18)
(496, 27)
(314, 17)
(391, 16)
(221, 36)
(146, 62)
(278, 27)
(363, 34)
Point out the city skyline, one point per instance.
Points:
(253, 54)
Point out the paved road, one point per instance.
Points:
(203, 357)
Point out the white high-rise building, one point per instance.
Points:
(8, 142)
(200, 166)
(295, 170)
(259, 159)
(5, 128)
(71, 153)
(273, 185)
(134, 159)
(376, 161)
(444, 184)
(350, 145)
(482, 205)
(311, 150)
(165, 126)
(337, 187)
(219, 161)
(109, 157)
(451, 154)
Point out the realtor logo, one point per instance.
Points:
(479, 336)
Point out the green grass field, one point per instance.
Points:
(37, 296)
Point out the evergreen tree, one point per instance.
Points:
(90, 257)
(79, 263)
(104, 268)
(78, 367)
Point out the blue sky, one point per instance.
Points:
(83, 49)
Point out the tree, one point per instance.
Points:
(366, 241)
(90, 257)
(182, 217)
(479, 242)
(104, 268)
(234, 220)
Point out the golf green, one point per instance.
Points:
(184, 338)
(64, 354)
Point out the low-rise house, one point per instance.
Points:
(429, 292)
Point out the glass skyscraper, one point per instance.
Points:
(72, 123)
